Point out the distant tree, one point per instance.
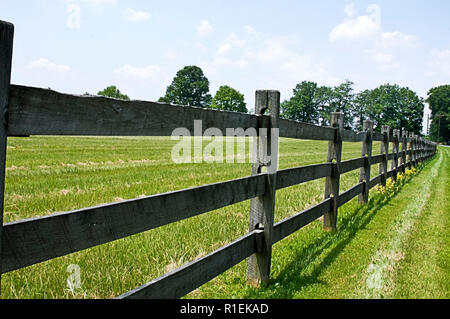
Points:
(303, 105)
(113, 92)
(324, 98)
(396, 107)
(228, 99)
(360, 104)
(342, 101)
(189, 87)
(439, 102)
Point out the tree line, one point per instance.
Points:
(388, 104)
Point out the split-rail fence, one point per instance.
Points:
(29, 111)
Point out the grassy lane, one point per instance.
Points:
(425, 270)
(365, 258)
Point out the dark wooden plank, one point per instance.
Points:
(390, 174)
(294, 176)
(292, 224)
(376, 159)
(294, 129)
(6, 49)
(378, 137)
(351, 136)
(35, 111)
(375, 181)
(185, 279)
(35, 240)
(350, 194)
(350, 165)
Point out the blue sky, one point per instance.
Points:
(78, 46)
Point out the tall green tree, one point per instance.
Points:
(189, 87)
(396, 107)
(303, 105)
(439, 102)
(360, 105)
(324, 99)
(113, 92)
(228, 99)
(343, 99)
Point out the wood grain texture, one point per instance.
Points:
(294, 176)
(332, 182)
(299, 130)
(294, 223)
(35, 111)
(366, 152)
(350, 194)
(6, 49)
(35, 240)
(185, 279)
(262, 208)
(350, 165)
(384, 150)
(351, 136)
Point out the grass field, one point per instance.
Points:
(51, 174)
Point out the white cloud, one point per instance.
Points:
(150, 72)
(249, 30)
(73, 16)
(361, 27)
(439, 63)
(379, 46)
(43, 64)
(350, 10)
(136, 16)
(397, 39)
(232, 41)
(204, 29)
(224, 48)
(170, 54)
(384, 61)
(291, 65)
(240, 63)
(94, 3)
(355, 29)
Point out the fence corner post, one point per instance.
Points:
(262, 208)
(6, 49)
(364, 173)
(384, 150)
(332, 182)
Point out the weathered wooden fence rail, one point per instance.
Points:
(34, 111)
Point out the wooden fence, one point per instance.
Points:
(34, 111)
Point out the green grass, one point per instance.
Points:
(51, 174)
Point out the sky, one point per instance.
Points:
(78, 46)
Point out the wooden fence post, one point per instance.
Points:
(262, 208)
(332, 182)
(6, 48)
(411, 149)
(394, 163)
(404, 149)
(408, 150)
(364, 173)
(384, 149)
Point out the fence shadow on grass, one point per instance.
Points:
(316, 257)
